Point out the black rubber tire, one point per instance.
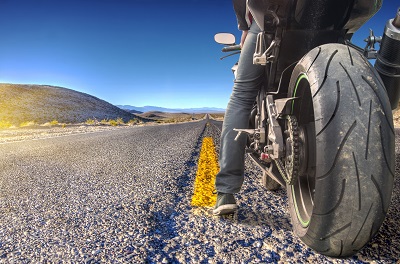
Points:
(341, 200)
(269, 183)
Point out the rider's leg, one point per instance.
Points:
(248, 80)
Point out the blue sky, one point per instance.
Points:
(137, 52)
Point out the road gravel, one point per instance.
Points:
(123, 196)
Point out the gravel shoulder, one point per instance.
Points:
(41, 132)
(22, 134)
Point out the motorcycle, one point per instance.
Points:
(322, 124)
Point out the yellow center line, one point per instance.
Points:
(207, 168)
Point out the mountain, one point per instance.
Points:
(43, 103)
(130, 109)
(171, 110)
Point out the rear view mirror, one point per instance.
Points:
(225, 38)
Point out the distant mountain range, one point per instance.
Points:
(143, 109)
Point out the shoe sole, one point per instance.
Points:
(225, 209)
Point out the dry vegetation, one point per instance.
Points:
(218, 116)
(161, 117)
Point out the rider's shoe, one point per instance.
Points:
(226, 204)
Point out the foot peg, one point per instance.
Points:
(247, 131)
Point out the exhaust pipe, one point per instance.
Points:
(396, 20)
(388, 60)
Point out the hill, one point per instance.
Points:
(153, 115)
(43, 103)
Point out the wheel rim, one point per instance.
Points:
(303, 190)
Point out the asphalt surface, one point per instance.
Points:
(123, 196)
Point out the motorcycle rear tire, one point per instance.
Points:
(340, 201)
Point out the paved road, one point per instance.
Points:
(124, 196)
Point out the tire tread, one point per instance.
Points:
(380, 101)
(326, 72)
(358, 182)
(339, 151)
(337, 231)
(362, 226)
(354, 155)
(352, 82)
(334, 111)
(384, 153)
(369, 130)
(338, 203)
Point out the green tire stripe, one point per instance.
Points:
(303, 223)
(301, 77)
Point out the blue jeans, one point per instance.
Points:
(249, 78)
